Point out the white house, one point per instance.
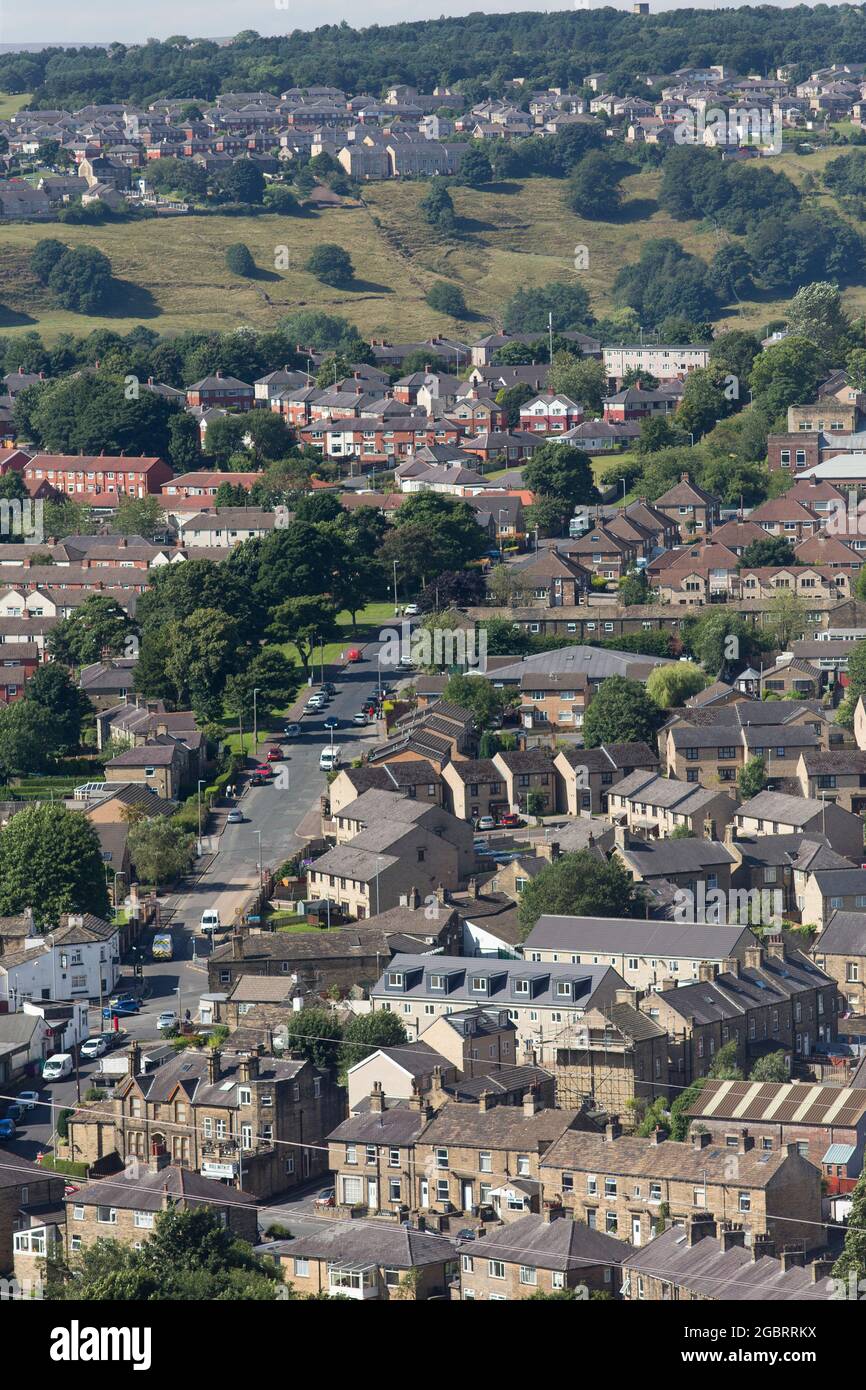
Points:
(79, 959)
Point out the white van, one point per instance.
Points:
(330, 759)
(56, 1067)
(210, 920)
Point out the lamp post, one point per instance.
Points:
(259, 834)
(202, 782)
(255, 719)
(395, 588)
(623, 481)
(378, 859)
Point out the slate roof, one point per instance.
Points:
(662, 857)
(587, 980)
(731, 1275)
(844, 935)
(154, 1191)
(688, 941)
(784, 810)
(367, 1243)
(630, 1157)
(557, 1244)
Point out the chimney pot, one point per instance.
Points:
(613, 1129)
(377, 1098)
(530, 1102)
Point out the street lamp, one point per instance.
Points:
(395, 588)
(202, 782)
(259, 834)
(624, 482)
(255, 720)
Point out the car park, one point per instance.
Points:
(292, 730)
(485, 823)
(235, 816)
(167, 1019)
(94, 1047)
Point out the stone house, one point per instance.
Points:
(22, 1184)
(659, 805)
(835, 775)
(774, 813)
(840, 952)
(586, 775)
(528, 774)
(126, 1211)
(419, 780)
(475, 787)
(827, 891)
(619, 1184)
(539, 1253)
(366, 1260)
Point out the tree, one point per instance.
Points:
(51, 690)
(787, 616)
(364, 1033)
(774, 550)
(475, 167)
(271, 674)
(704, 401)
(527, 310)
(621, 712)
(51, 861)
(771, 1067)
(785, 374)
(851, 1264)
(511, 398)
(680, 1119)
(732, 272)
(447, 299)
(139, 516)
(475, 693)
(239, 259)
(242, 182)
(563, 472)
(816, 313)
(331, 264)
(29, 739)
(304, 622)
(579, 884)
(666, 280)
(81, 280)
(724, 1066)
(752, 778)
(656, 432)
(594, 189)
(735, 352)
(634, 589)
(462, 588)
(583, 379)
(670, 686)
(201, 653)
(316, 1034)
(44, 257)
(432, 533)
(190, 1256)
(719, 638)
(184, 447)
(98, 628)
(160, 851)
(437, 207)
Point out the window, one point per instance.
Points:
(528, 1274)
(610, 1187)
(744, 1202)
(441, 1158)
(78, 1213)
(478, 983)
(391, 1277)
(496, 1269)
(523, 1165)
(611, 1223)
(106, 1216)
(393, 1158)
(245, 1096)
(301, 1268)
(351, 1153)
(485, 1163)
(143, 1219)
(467, 1264)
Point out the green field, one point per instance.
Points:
(172, 273)
(10, 104)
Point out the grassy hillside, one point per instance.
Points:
(173, 275)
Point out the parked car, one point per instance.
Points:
(120, 1010)
(332, 722)
(485, 823)
(362, 717)
(56, 1067)
(235, 816)
(330, 758)
(480, 846)
(258, 779)
(292, 730)
(167, 1019)
(411, 610)
(275, 755)
(510, 820)
(94, 1047)
(328, 687)
(325, 1198)
(7, 1129)
(14, 1111)
(264, 770)
(28, 1100)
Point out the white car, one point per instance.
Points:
(411, 610)
(28, 1100)
(168, 1019)
(292, 731)
(235, 816)
(94, 1047)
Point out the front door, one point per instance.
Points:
(635, 1230)
(467, 1196)
(425, 1193)
(372, 1194)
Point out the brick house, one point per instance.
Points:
(840, 952)
(550, 414)
(619, 1184)
(605, 554)
(22, 1184)
(695, 511)
(221, 390)
(821, 1120)
(126, 1211)
(554, 701)
(93, 479)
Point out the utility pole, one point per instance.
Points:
(395, 587)
(255, 720)
(550, 336)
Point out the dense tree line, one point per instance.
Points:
(478, 51)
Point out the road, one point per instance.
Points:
(227, 878)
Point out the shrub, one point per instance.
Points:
(239, 259)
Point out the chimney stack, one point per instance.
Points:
(377, 1099)
(484, 1103)
(613, 1129)
(820, 1269)
(707, 971)
(658, 1135)
(213, 1066)
(754, 957)
(237, 946)
(745, 1142)
(731, 966)
(249, 1068)
(763, 1246)
(793, 1257)
(135, 1059)
(699, 1226)
(626, 996)
(530, 1102)
(729, 1236)
(701, 1139)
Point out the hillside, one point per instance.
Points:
(173, 276)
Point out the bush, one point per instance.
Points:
(239, 259)
(447, 299)
(331, 264)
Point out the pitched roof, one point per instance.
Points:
(558, 1244)
(154, 1191)
(732, 1275)
(688, 941)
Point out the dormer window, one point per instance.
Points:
(478, 984)
(521, 986)
(396, 979)
(437, 981)
(563, 989)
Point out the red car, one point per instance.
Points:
(264, 770)
(275, 755)
(509, 820)
(353, 655)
